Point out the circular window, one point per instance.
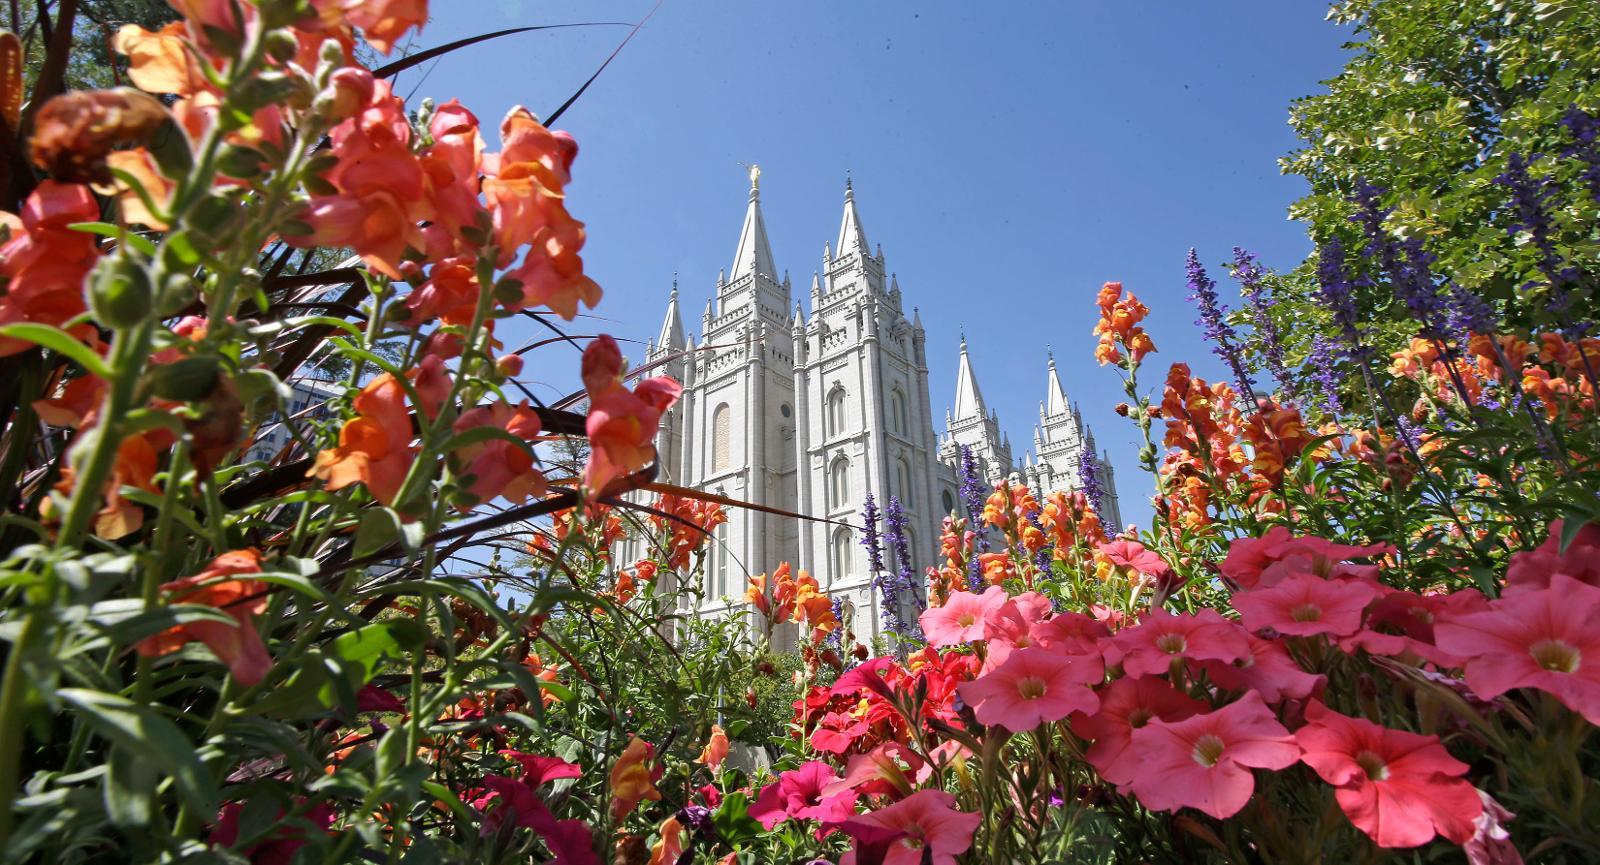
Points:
(784, 410)
(949, 501)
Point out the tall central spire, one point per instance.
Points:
(969, 400)
(1056, 398)
(754, 254)
(851, 236)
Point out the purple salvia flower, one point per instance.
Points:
(973, 496)
(1585, 129)
(1338, 295)
(1089, 479)
(1530, 200)
(1247, 269)
(899, 586)
(1322, 361)
(869, 535)
(1213, 323)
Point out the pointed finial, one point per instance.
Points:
(848, 186)
(674, 285)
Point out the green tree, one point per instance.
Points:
(1437, 97)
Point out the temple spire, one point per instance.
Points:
(672, 326)
(969, 400)
(851, 236)
(754, 254)
(1056, 396)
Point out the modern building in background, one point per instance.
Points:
(809, 408)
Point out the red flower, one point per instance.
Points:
(924, 827)
(1533, 568)
(837, 732)
(1151, 647)
(622, 424)
(1548, 639)
(1400, 788)
(282, 841)
(1268, 670)
(1204, 761)
(237, 645)
(1265, 561)
(799, 795)
(1126, 705)
(961, 619)
(1306, 605)
(44, 262)
(1401, 624)
(1033, 686)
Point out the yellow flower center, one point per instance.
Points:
(1306, 613)
(966, 620)
(1031, 687)
(1556, 656)
(1373, 765)
(1208, 750)
(1172, 644)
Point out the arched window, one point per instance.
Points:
(717, 575)
(836, 411)
(721, 438)
(840, 555)
(839, 483)
(903, 482)
(897, 412)
(948, 500)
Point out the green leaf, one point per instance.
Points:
(331, 675)
(105, 229)
(151, 737)
(60, 342)
(733, 821)
(381, 527)
(129, 788)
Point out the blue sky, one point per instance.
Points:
(1008, 157)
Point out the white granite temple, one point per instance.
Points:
(809, 412)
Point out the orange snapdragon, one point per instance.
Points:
(237, 645)
(622, 423)
(1118, 329)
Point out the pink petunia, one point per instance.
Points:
(1126, 705)
(1532, 569)
(1161, 638)
(1268, 669)
(1033, 686)
(924, 827)
(1306, 605)
(803, 794)
(1265, 561)
(1400, 624)
(1134, 555)
(889, 769)
(961, 619)
(1204, 761)
(1019, 623)
(1547, 639)
(1400, 788)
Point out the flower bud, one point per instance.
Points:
(120, 294)
(509, 365)
(240, 162)
(187, 379)
(281, 44)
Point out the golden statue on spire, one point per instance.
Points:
(755, 174)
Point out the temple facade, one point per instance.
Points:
(810, 407)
